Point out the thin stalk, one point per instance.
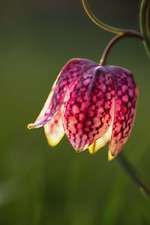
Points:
(114, 40)
(132, 173)
(144, 23)
(100, 23)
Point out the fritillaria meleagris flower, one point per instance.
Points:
(92, 104)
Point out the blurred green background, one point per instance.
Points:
(43, 186)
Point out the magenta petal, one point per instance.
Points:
(88, 111)
(67, 78)
(125, 108)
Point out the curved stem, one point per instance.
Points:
(130, 170)
(121, 33)
(144, 23)
(99, 23)
(114, 40)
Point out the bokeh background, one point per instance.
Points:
(43, 186)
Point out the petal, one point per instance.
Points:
(66, 79)
(88, 111)
(102, 141)
(54, 130)
(125, 107)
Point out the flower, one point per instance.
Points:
(92, 104)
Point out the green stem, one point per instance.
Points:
(132, 173)
(101, 24)
(144, 23)
(114, 40)
(143, 18)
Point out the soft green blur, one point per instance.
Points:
(43, 186)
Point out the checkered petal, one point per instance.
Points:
(89, 109)
(67, 78)
(126, 93)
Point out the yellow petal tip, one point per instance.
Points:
(110, 156)
(51, 143)
(30, 126)
(92, 148)
(91, 151)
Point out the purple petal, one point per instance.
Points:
(89, 109)
(67, 78)
(125, 108)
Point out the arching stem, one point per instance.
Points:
(114, 40)
(100, 23)
(121, 33)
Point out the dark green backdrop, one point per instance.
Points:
(43, 186)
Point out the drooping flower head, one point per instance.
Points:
(92, 104)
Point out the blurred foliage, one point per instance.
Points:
(39, 185)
